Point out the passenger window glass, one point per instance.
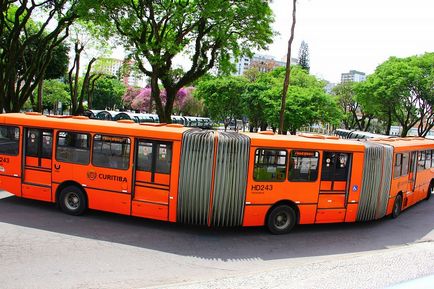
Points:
(164, 156)
(432, 159)
(32, 142)
(398, 165)
(428, 159)
(270, 165)
(47, 144)
(162, 152)
(303, 166)
(335, 166)
(111, 152)
(9, 140)
(420, 161)
(73, 147)
(405, 159)
(144, 157)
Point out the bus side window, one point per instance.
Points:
(303, 166)
(9, 140)
(405, 164)
(144, 156)
(73, 147)
(420, 160)
(155, 157)
(270, 165)
(428, 159)
(398, 165)
(164, 158)
(111, 152)
(335, 166)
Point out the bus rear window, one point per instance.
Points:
(73, 147)
(270, 165)
(9, 140)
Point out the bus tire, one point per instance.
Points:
(397, 206)
(281, 219)
(428, 194)
(72, 200)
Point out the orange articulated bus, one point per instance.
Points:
(204, 177)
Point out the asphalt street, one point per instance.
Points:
(40, 247)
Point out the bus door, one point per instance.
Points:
(153, 161)
(409, 196)
(335, 179)
(37, 159)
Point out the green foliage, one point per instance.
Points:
(222, 96)
(58, 64)
(303, 56)
(401, 90)
(209, 32)
(108, 93)
(55, 91)
(307, 103)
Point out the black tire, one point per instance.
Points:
(397, 206)
(72, 200)
(281, 219)
(428, 194)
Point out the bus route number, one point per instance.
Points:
(262, 188)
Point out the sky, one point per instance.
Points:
(358, 35)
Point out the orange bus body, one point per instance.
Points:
(171, 173)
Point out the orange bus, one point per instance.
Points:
(204, 177)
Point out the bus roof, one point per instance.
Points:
(84, 124)
(406, 143)
(305, 141)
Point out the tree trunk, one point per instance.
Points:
(39, 106)
(288, 69)
(388, 123)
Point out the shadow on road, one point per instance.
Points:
(224, 244)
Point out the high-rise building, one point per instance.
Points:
(113, 66)
(263, 63)
(353, 76)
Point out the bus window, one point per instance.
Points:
(421, 161)
(405, 159)
(39, 143)
(164, 154)
(303, 166)
(270, 165)
(73, 147)
(9, 140)
(427, 159)
(335, 166)
(398, 165)
(111, 152)
(155, 157)
(432, 159)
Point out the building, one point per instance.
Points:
(112, 66)
(353, 76)
(264, 63)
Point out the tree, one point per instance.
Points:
(54, 92)
(288, 68)
(222, 97)
(108, 93)
(20, 35)
(303, 56)
(354, 115)
(157, 31)
(401, 89)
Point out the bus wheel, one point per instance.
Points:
(397, 205)
(72, 201)
(281, 220)
(428, 194)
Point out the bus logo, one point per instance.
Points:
(91, 175)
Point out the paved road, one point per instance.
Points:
(40, 247)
